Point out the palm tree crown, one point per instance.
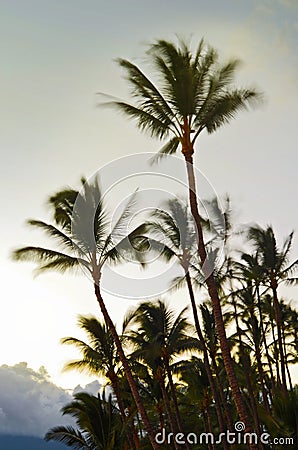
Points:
(82, 229)
(195, 93)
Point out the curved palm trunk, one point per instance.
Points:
(212, 290)
(126, 368)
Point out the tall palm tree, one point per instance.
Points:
(83, 231)
(177, 239)
(277, 269)
(195, 95)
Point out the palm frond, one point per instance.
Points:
(62, 264)
(168, 149)
(68, 436)
(225, 107)
(120, 227)
(134, 244)
(146, 121)
(52, 231)
(148, 96)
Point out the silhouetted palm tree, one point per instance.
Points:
(174, 227)
(276, 270)
(157, 339)
(98, 421)
(100, 358)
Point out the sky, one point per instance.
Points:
(56, 59)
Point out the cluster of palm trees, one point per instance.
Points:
(225, 359)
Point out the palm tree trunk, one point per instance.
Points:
(286, 358)
(206, 428)
(275, 352)
(205, 353)
(246, 366)
(212, 290)
(174, 397)
(221, 392)
(210, 426)
(168, 409)
(265, 341)
(159, 410)
(115, 386)
(126, 367)
(259, 359)
(279, 336)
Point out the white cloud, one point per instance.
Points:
(29, 402)
(92, 388)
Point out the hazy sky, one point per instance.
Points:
(55, 57)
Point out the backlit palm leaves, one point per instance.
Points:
(187, 90)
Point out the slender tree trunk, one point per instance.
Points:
(286, 358)
(210, 427)
(211, 285)
(259, 360)
(136, 438)
(221, 392)
(159, 410)
(126, 367)
(174, 397)
(275, 352)
(205, 354)
(206, 428)
(115, 386)
(168, 409)
(246, 366)
(279, 336)
(265, 343)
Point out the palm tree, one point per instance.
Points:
(98, 421)
(193, 373)
(82, 230)
(277, 269)
(195, 95)
(179, 241)
(158, 339)
(99, 357)
(249, 271)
